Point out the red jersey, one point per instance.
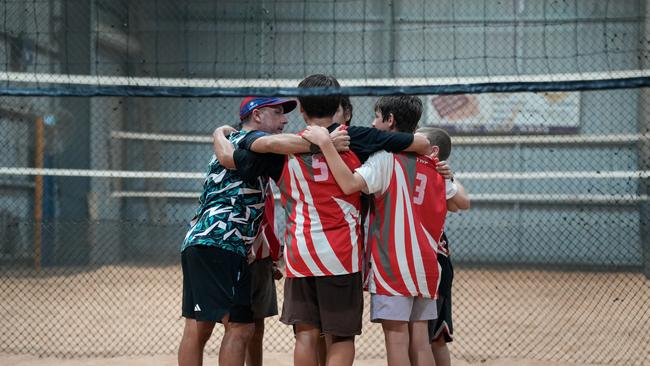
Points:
(266, 243)
(322, 236)
(405, 225)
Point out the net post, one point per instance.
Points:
(39, 153)
(644, 154)
(644, 182)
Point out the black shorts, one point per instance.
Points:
(216, 282)
(443, 326)
(264, 297)
(332, 303)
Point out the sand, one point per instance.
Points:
(271, 359)
(129, 315)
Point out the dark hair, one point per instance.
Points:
(347, 107)
(406, 111)
(322, 105)
(438, 137)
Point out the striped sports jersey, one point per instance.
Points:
(405, 224)
(322, 235)
(266, 243)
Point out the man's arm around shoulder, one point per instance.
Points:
(286, 143)
(223, 148)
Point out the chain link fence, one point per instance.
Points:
(106, 111)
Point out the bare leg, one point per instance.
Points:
(396, 335)
(254, 353)
(321, 348)
(441, 352)
(233, 345)
(419, 348)
(305, 351)
(195, 336)
(340, 350)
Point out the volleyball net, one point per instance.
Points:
(106, 115)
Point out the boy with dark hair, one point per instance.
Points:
(440, 329)
(401, 242)
(319, 106)
(405, 109)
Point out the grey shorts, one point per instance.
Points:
(264, 298)
(402, 308)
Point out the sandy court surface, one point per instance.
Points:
(91, 316)
(271, 359)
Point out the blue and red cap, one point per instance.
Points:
(249, 104)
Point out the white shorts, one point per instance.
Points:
(402, 308)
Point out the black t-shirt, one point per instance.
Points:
(252, 165)
(364, 141)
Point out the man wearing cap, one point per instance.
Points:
(216, 279)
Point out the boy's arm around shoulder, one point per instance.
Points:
(460, 201)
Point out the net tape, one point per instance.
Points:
(95, 85)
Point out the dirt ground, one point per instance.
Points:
(271, 359)
(114, 315)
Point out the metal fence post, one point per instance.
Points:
(644, 154)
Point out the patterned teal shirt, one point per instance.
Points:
(230, 208)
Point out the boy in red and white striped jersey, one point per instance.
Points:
(405, 226)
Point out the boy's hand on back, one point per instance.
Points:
(340, 138)
(277, 273)
(444, 169)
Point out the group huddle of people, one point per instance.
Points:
(365, 209)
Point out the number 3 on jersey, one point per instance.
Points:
(321, 173)
(420, 184)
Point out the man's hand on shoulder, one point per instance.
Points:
(223, 148)
(224, 131)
